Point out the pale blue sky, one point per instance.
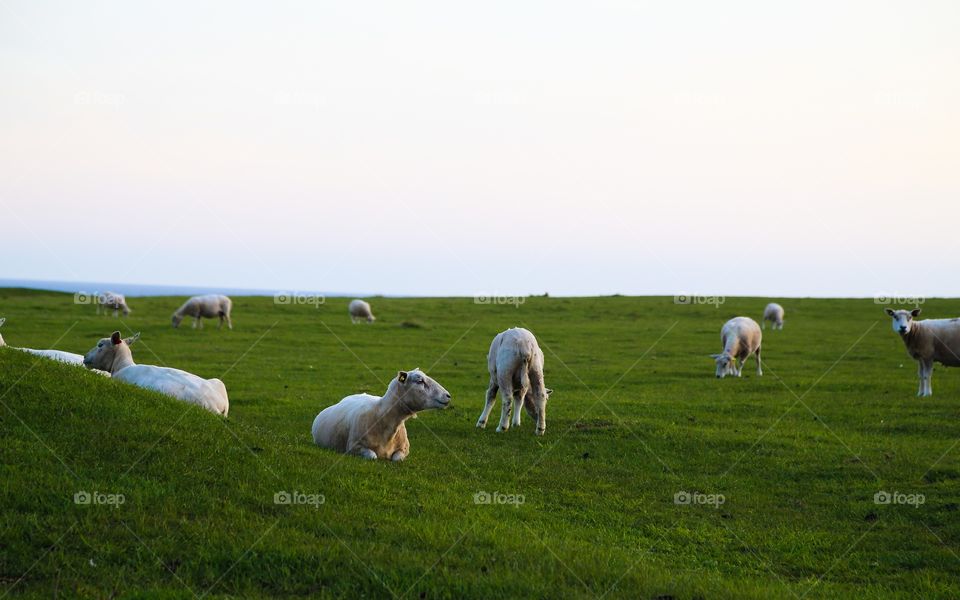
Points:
(505, 147)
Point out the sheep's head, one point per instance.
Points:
(419, 392)
(104, 354)
(2, 321)
(371, 318)
(176, 320)
(725, 364)
(530, 407)
(902, 319)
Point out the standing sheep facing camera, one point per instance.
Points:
(108, 300)
(928, 341)
(373, 426)
(360, 310)
(773, 313)
(113, 354)
(515, 362)
(209, 306)
(740, 337)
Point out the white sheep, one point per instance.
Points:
(928, 341)
(773, 313)
(741, 337)
(515, 362)
(113, 354)
(360, 310)
(58, 355)
(374, 426)
(108, 300)
(209, 306)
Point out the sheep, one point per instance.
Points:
(58, 355)
(113, 300)
(209, 306)
(515, 362)
(928, 341)
(360, 310)
(741, 337)
(373, 426)
(773, 313)
(113, 354)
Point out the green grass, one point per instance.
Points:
(636, 416)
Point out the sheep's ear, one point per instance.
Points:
(401, 376)
(132, 338)
(889, 311)
(115, 338)
(715, 356)
(914, 312)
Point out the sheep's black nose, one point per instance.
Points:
(448, 395)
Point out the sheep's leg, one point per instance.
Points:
(740, 363)
(764, 324)
(927, 367)
(229, 322)
(506, 397)
(920, 376)
(759, 366)
(519, 397)
(491, 400)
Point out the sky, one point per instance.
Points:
(440, 148)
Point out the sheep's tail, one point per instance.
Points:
(223, 391)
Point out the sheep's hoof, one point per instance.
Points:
(540, 431)
(501, 429)
(481, 425)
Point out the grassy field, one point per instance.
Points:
(782, 470)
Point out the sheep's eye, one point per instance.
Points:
(423, 382)
(100, 345)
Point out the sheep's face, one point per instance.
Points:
(419, 392)
(176, 321)
(725, 365)
(103, 355)
(903, 319)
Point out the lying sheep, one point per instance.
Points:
(58, 355)
(209, 306)
(515, 362)
(773, 313)
(740, 337)
(117, 302)
(374, 426)
(928, 341)
(113, 354)
(360, 310)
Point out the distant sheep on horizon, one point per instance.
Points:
(209, 307)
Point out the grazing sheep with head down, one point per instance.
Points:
(209, 306)
(373, 426)
(117, 302)
(773, 313)
(515, 362)
(113, 354)
(360, 310)
(740, 337)
(928, 341)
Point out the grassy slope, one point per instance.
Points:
(623, 437)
